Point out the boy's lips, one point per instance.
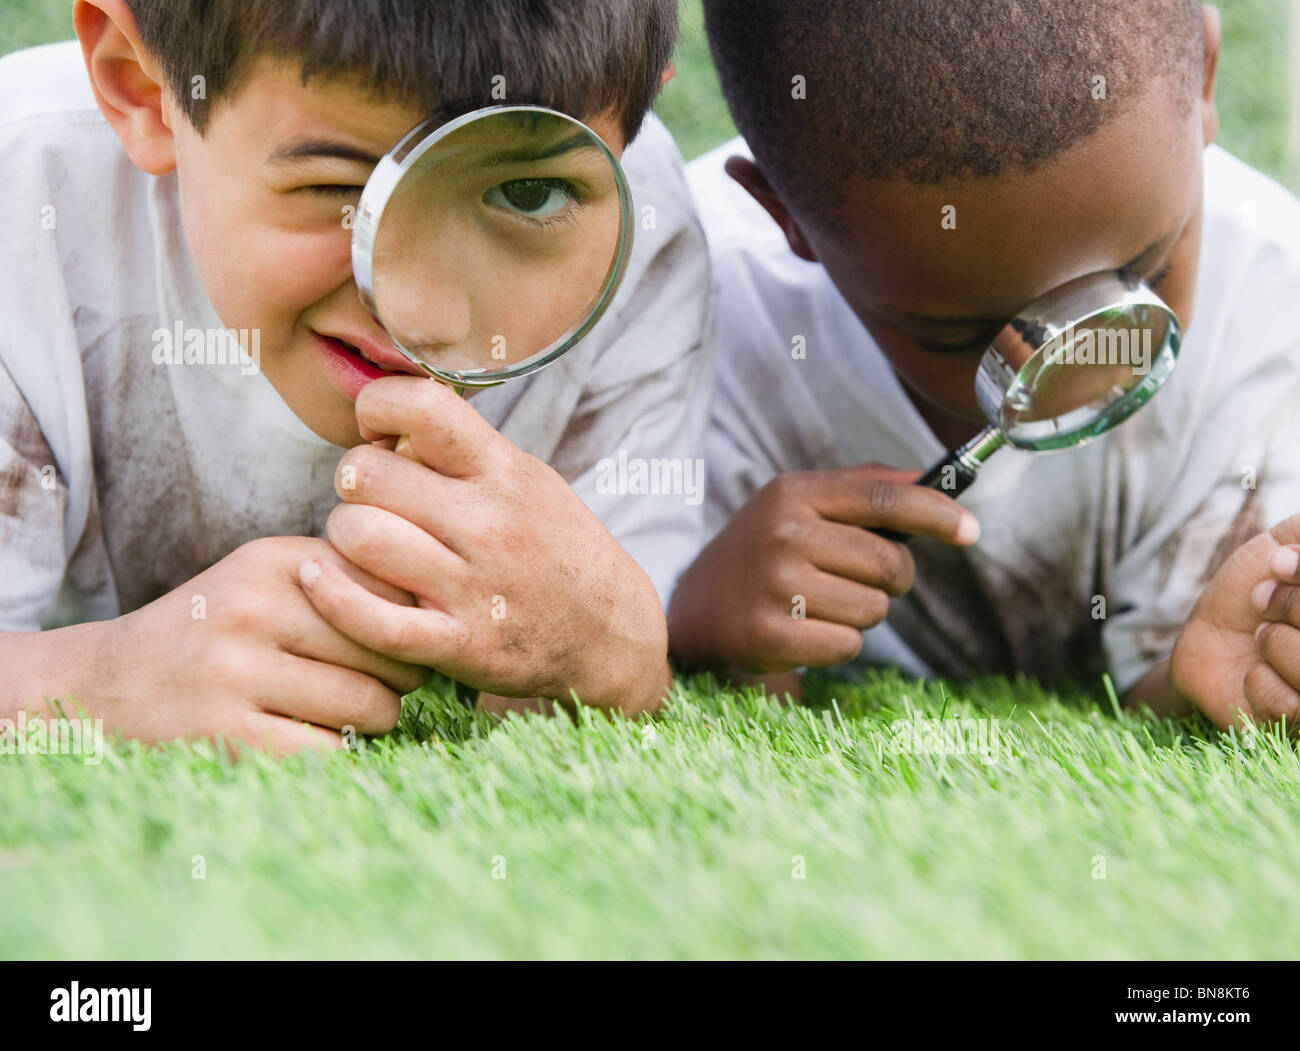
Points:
(384, 356)
(352, 363)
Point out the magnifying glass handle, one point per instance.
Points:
(955, 473)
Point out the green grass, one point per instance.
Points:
(1254, 93)
(691, 104)
(25, 23)
(679, 840)
(619, 839)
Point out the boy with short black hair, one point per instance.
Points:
(920, 170)
(192, 166)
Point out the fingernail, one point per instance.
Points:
(1284, 561)
(1263, 593)
(309, 573)
(969, 530)
(1260, 630)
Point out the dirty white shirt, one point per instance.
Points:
(120, 478)
(1091, 559)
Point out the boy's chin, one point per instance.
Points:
(345, 436)
(337, 428)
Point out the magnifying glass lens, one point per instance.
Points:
(1069, 367)
(498, 241)
(1090, 377)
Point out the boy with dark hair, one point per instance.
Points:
(920, 170)
(193, 167)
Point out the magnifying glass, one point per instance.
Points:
(490, 245)
(1068, 368)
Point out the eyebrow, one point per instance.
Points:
(958, 322)
(321, 148)
(309, 148)
(577, 141)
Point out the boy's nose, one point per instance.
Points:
(425, 308)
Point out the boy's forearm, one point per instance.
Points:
(1157, 691)
(40, 667)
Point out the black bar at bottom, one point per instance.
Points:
(379, 1000)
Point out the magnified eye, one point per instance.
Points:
(533, 198)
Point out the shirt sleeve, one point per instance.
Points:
(33, 500)
(1237, 475)
(633, 444)
(649, 490)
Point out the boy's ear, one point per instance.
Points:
(1213, 45)
(669, 72)
(751, 177)
(127, 83)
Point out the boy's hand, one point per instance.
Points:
(237, 651)
(1239, 653)
(795, 577)
(1273, 686)
(520, 590)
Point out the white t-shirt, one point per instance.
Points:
(1091, 559)
(120, 478)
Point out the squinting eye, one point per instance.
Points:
(980, 343)
(334, 191)
(943, 348)
(1155, 280)
(533, 198)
